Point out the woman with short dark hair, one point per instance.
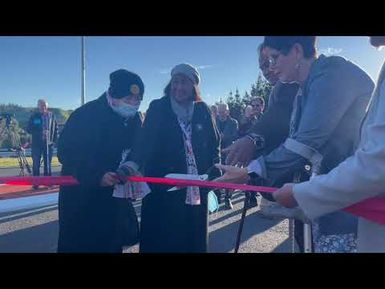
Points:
(324, 126)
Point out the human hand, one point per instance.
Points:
(284, 196)
(109, 179)
(232, 174)
(240, 152)
(127, 169)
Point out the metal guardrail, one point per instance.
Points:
(6, 153)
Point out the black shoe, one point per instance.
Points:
(253, 202)
(228, 204)
(35, 187)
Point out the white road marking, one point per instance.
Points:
(25, 203)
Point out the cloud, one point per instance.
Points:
(204, 66)
(200, 67)
(330, 51)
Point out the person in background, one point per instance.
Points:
(214, 111)
(44, 129)
(258, 105)
(247, 120)
(228, 129)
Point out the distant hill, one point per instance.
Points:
(22, 114)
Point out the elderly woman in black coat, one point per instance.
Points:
(93, 143)
(178, 136)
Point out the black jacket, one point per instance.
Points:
(273, 125)
(90, 145)
(160, 148)
(167, 223)
(229, 129)
(35, 127)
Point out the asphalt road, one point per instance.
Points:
(36, 231)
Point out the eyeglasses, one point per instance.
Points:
(273, 59)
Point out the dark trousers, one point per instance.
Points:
(37, 153)
(228, 194)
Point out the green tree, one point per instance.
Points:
(237, 104)
(12, 136)
(20, 116)
(261, 88)
(246, 99)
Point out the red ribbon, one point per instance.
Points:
(372, 209)
(71, 181)
(39, 181)
(204, 184)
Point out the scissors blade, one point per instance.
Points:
(174, 189)
(188, 177)
(185, 177)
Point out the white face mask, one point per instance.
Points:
(126, 110)
(123, 109)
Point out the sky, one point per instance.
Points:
(50, 66)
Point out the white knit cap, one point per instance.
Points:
(187, 69)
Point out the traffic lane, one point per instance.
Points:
(38, 231)
(34, 232)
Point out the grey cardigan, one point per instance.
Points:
(359, 177)
(324, 128)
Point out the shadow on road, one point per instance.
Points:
(224, 239)
(37, 239)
